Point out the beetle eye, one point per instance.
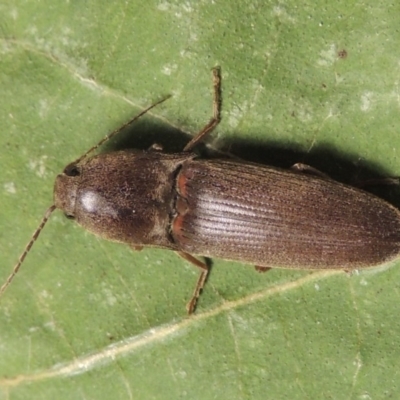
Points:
(70, 216)
(71, 170)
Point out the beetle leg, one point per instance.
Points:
(300, 167)
(262, 269)
(378, 182)
(191, 306)
(214, 121)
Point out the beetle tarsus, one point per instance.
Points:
(191, 305)
(262, 269)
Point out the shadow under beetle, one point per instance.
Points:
(230, 209)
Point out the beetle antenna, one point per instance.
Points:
(27, 248)
(113, 133)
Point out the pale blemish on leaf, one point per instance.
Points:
(14, 14)
(303, 114)
(280, 12)
(168, 69)
(9, 187)
(366, 98)
(327, 56)
(109, 297)
(38, 166)
(50, 325)
(363, 282)
(163, 6)
(43, 108)
(236, 114)
(44, 294)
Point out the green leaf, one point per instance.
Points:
(313, 82)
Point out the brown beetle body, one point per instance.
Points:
(222, 208)
(228, 209)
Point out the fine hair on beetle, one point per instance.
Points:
(296, 218)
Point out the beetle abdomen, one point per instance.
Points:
(272, 217)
